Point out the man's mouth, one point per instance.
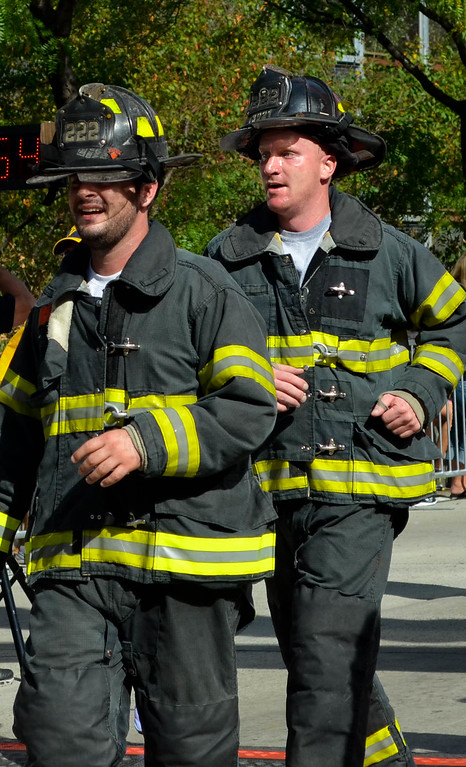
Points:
(89, 213)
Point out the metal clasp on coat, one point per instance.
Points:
(331, 395)
(112, 416)
(331, 448)
(324, 350)
(341, 290)
(126, 347)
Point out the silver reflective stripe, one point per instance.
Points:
(50, 550)
(380, 748)
(280, 352)
(183, 554)
(128, 545)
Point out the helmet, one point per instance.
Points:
(279, 99)
(105, 134)
(66, 243)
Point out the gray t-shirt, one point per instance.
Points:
(303, 245)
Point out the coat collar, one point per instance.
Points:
(150, 270)
(355, 229)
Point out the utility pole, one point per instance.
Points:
(424, 37)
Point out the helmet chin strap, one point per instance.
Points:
(154, 171)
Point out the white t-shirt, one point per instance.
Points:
(98, 282)
(303, 245)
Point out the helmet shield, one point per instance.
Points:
(106, 134)
(279, 99)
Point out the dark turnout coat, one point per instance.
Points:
(176, 353)
(366, 287)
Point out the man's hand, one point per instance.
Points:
(109, 457)
(397, 415)
(290, 387)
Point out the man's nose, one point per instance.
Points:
(272, 165)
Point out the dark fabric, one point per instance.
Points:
(90, 642)
(7, 312)
(386, 276)
(381, 714)
(325, 606)
(187, 323)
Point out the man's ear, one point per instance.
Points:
(329, 166)
(148, 193)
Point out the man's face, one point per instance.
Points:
(294, 170)
(105, 213)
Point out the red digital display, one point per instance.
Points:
(19, 152)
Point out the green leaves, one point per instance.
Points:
(195, 60)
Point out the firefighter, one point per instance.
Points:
(339, 290)
(121, 431)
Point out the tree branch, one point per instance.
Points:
(428, 85)
(449, 27)
(59, 22)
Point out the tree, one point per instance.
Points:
(419, 106)
(194, 60)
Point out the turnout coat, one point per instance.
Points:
(175, 353)
(368, 289)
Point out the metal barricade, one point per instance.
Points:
(448, 431)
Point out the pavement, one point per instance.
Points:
(422, 661)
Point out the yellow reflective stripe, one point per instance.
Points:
(112, 104)
(379, 746)
(159, 125)
(349, 477)
(240, 361)
(215, 556)
(144, 128)
(372, 356)
(216, 569)
(397, 725)
(85, 412)
(441, 303)
(8, 528)
(365, 478)
(9, 350)
(21, 386)
(276, 475)
(148, 550)
(179, 434)
(118, 546)
(441, 360)
(15, 392)
(150, 401)
(283, 483)
(219, 545)
(52, 550)
(354, 354)
(116, 397)
(296, 351)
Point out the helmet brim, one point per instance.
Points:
(180, 160)
(356, 150)
(94, 175)
(239, 139)
(98, 175)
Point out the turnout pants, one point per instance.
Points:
(91, 642)
(331, 572)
